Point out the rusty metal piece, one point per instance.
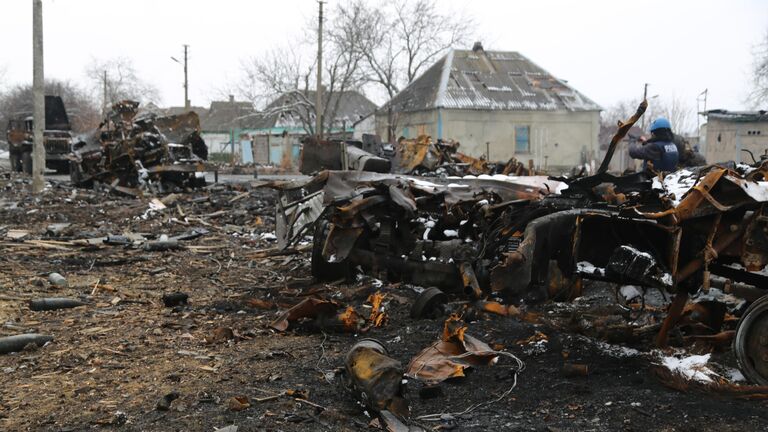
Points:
(323, 313)
(673, 316)
(622, 131)
(469, 280)
(429, 303)
(450, 356)
(378, 316)
(375, 378)
(575, 370)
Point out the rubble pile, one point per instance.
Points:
(131, 152)
(480, 298)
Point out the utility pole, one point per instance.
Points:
(187, 104)
(105, 101)
(645, 96)
(319, 92)
(38, 87)
(186, 81)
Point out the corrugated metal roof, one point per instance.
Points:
(489, 80)
(738, 116)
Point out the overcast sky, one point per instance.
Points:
(605, 49)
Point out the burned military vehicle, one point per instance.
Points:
(57, 138)
(131, 152)
(524, 240)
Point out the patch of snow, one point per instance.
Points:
(629, 292)
(535, 348)
(450, 233)
(734, 375)
(677, 183)
(692, 367)
(589, 268)
(268, 236)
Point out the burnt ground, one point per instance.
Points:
(112, 361)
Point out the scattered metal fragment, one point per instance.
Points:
(9, 344)
(323, 312)
(429, 304)
(164, 404)
(57, 280)
(575, 370)
(175, 299)
(376, 379)
(448, 357)
(54, 303)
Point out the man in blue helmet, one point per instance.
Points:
(660, 149)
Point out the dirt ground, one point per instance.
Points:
(125, 361)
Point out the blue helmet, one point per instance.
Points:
(660, 123)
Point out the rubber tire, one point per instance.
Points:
(757, 308)
(26, 162)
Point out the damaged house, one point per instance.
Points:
(287, 120)
(497, 102)
(732, 135)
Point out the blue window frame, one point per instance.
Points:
(522, 139)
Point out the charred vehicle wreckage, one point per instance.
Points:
(507, 242)
(131, 152)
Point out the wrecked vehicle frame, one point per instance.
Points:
(131, 151)
(530, 239)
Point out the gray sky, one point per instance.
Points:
(605, 49)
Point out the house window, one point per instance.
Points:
(522, 141)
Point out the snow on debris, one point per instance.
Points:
(587, 267)
(693, 367)
(677, 183)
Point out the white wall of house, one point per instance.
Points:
(365, 126)
(725, 139)
(217, 142)
(557, 140)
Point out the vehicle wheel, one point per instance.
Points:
(26, 162)
(751, 342)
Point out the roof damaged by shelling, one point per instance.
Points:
(489, 80)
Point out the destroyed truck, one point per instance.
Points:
(57, 138)
(132, 153)
(524, 240)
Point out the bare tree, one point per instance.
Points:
(680, 114)
(82, 109)
(759, 94)
(280, 80)
(402, 39)
(123, 82)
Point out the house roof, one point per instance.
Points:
(738, 116)
(353, 107)
(222, 116)
(489, 80)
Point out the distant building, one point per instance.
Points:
(236, 126)
(497, 101)
(727, 133)
(286, 121)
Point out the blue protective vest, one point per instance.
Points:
(669, 156)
